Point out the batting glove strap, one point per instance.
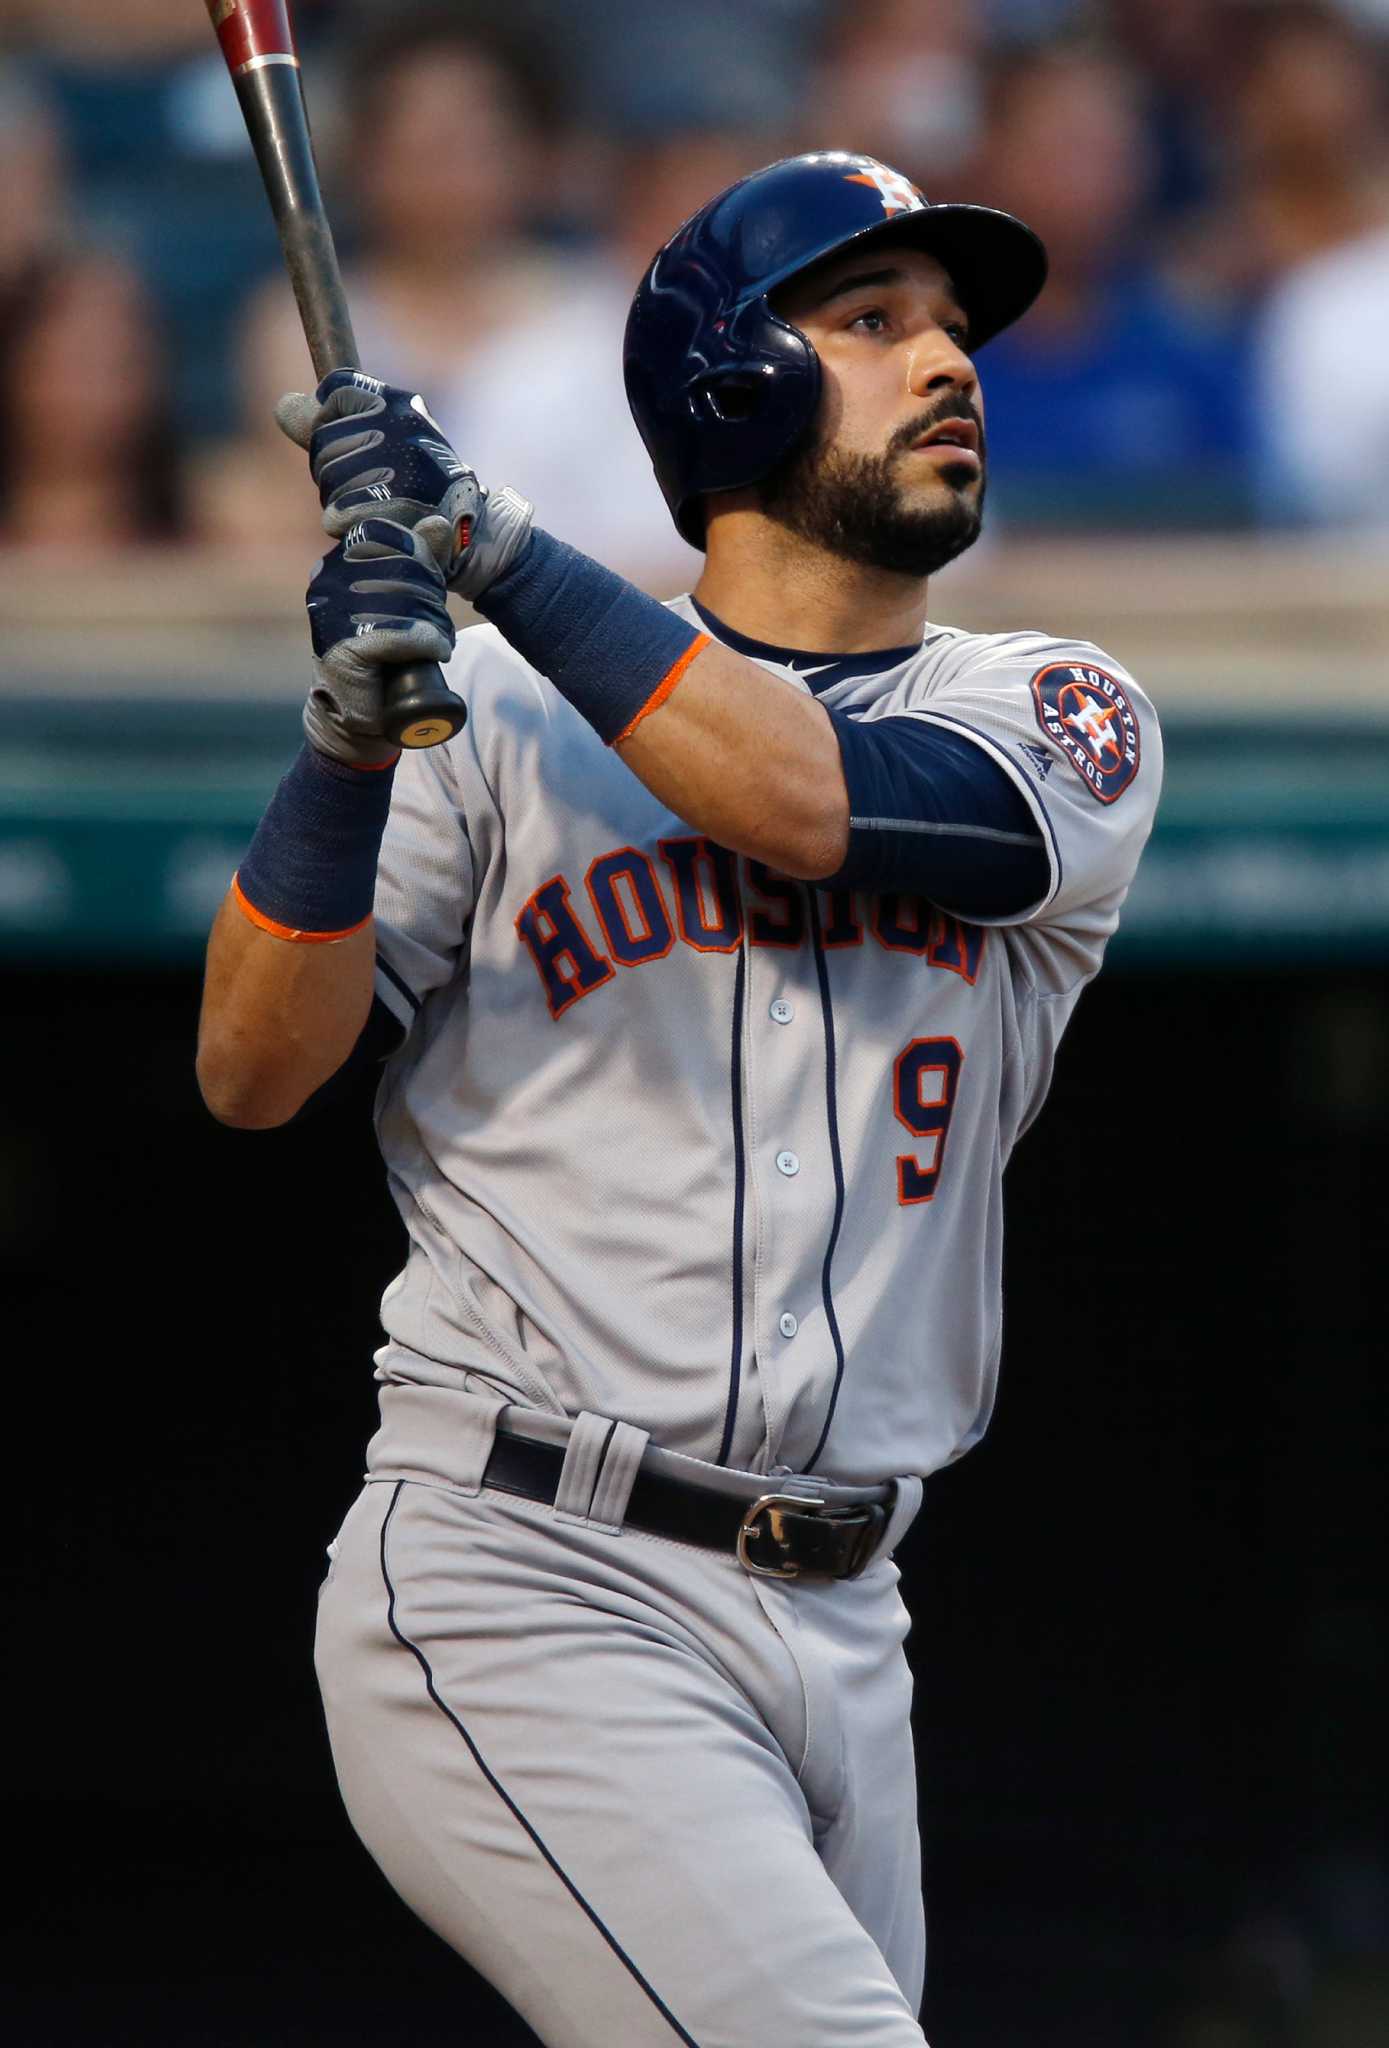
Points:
(615, 653)
(376, 602)
(310, 871)
(481, 551)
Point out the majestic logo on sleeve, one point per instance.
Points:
(1088, 715)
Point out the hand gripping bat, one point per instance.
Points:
(258, 45)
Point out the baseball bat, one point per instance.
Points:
(258, 46)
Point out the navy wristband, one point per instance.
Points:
(615, 653)
(310, 870)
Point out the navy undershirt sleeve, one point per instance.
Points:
(380, 1036)
(932, 813)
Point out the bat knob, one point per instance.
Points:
(421, 709)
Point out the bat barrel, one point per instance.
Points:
(272, 103)
(258, 45)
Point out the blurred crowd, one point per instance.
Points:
(1211, 178)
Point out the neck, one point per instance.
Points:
(774, 586)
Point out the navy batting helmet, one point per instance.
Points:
(721, 387)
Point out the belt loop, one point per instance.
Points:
(901, 1514)
(617, 1476)
(583, 1460)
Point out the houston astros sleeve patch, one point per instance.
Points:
(1089, 715)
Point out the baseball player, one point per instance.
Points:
(717, 966)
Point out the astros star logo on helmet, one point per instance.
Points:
(897, 193)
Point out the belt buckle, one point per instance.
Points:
(772, 1505)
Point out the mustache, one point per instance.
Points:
(950, 408)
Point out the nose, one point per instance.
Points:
(937, 364)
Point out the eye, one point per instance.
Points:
(959, 334)
(873, 320)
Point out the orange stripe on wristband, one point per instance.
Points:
(284, 931)
(663, 688)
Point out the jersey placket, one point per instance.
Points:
(791, 1185)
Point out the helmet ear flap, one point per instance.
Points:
(731, 397)
(720, 388)
(763, 355)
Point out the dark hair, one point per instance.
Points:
(157, 472)
(509, 43)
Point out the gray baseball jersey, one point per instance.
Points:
(682, 1142)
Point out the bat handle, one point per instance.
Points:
(421, 709)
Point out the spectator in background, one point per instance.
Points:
(32, 180)
(140, 32)
(1176, 49)
(161, 167)
(1306, 157)
(1118, 404)
(88, 459)
(748, 59)
(549, 403)
(445, 122)
(902, 81)
(1312, 120)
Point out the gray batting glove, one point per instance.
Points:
(498, 537)
(376, 453)
(376, 602)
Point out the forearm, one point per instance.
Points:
(761, 766)
(708, 731)
(290, 962)
(748, 759)
(278, 1018)
(291, 959)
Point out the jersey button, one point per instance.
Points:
(781, 1011)
(787, 1323)
(787, 1163)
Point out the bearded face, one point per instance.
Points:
(872, 509)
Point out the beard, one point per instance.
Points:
(854, 507)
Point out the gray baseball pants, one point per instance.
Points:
(650, 1798)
